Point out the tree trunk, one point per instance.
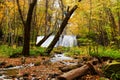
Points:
(27, 27)
(119, 21)
(68, 68)
(64, 23)
(112, 23)
(46, 16)
(44, 39)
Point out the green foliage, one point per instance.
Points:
(7, 51)
(115, 76)
(36, 51)
(60, 49)
(106, 52)
(84, 40)
(102, 78)
(91, 35)
(74, 51)
(112, 70)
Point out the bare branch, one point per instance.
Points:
(20, 12)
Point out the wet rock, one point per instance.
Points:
(43, 58)
(26, 74)
(15, 55)
(21, 78)
(25, 78)
(10, 65)
(34, 77)
(2, 72)
(52, 76)
(2, 64)
(84, 58)
(23, 60)
(46, 62)
(8, 78)
(37, 64)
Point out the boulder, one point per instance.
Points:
(112, 70)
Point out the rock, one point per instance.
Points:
(23, 60)
(2, 72)
(26, 74)
(37, 64)
(8, 78)
(2, 64)
(112, 69)
(8, 66)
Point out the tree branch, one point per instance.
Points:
(20, 12)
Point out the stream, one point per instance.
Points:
(5, 73)
(62, 58)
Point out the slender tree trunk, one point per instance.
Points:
(62, 8)
(46, 16)
(112, 21)
(118, 13)
(64, 23)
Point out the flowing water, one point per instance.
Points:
(64, 40)
(62, 58)
(5, 73)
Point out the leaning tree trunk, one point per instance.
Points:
(64, 23)
(27, 27)
(44, 39)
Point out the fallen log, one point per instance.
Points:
(77, 72)
(68, 68)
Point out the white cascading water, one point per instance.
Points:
(66, 41)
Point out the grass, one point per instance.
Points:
(36, 51)
(99, 51)
(6, 51)
(73, 51)
(106, 52)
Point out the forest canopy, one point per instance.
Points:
(95, 20)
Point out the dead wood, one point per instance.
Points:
(68, 68)
(77, 72)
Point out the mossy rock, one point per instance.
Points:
(112, 70)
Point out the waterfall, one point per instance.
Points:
(64, 40)
(69, 41)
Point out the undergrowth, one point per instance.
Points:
(6, 51)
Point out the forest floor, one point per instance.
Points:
(43, 69)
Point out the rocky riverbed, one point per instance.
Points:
(43, 68)
(34, 67)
